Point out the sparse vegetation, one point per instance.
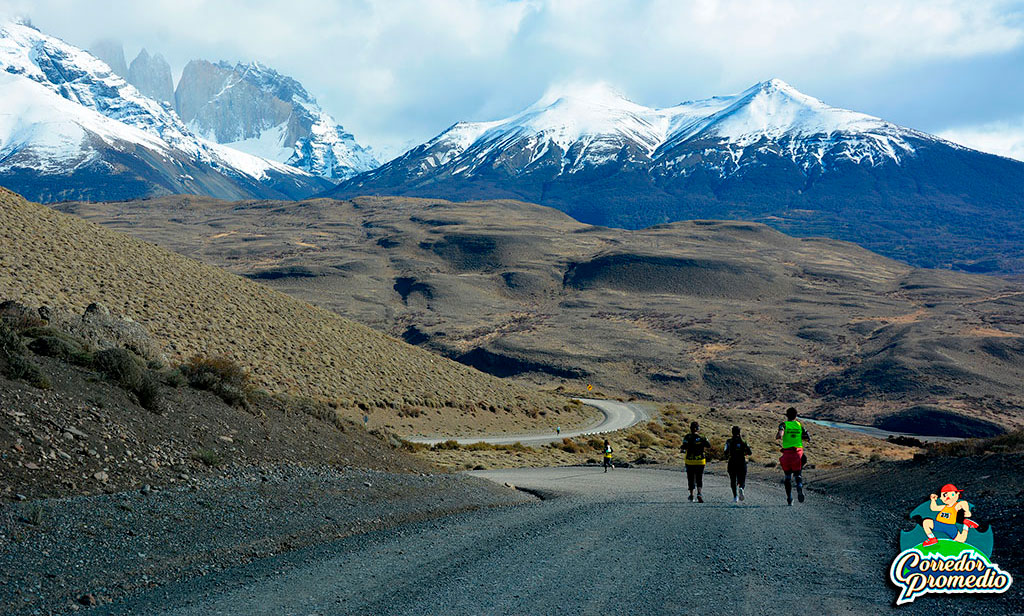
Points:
(208, 457)
(52, 342)
(128, 371)
(34, 515)
(219, 375)
(1011, 442)
(13, 361)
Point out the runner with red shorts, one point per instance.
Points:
(793, 435)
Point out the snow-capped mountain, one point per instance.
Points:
(105, 140)
(769, 153)
(585, 128)
(253, 108)
(151, 75)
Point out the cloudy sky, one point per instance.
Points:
(397, 72)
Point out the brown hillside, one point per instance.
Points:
(48, 258)
(731, 313)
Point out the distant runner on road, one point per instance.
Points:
(693, 446)
(793, 435)
(607, 455)
(736, 452)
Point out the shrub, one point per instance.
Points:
(172, 377)
(53, 343)
(14, 364)
(411, 446)
(446, 445)
(221, 376)
(34, 515)
(569, 446)
(516, 446)
(410, 411)
(207, 456)
(128, 371)
(642, 439)
(1004, 443)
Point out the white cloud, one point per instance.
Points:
(395, 70)
(1005, 138)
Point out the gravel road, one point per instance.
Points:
(617, 416)
(616, 543)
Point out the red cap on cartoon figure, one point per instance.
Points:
(950, 488)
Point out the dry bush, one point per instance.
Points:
(1011, 442)
(128, 371)
(517, 447)
(643, 439)
(13, 362)
(446, 445)
(570, 446)
(219, 375)
(54, 343)
(410, 411)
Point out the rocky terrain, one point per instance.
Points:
(255, 109)
(66, 554)
(152, 76)
(90, 405)
(290, 346)
(725, 312)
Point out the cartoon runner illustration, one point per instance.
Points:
(951, 511)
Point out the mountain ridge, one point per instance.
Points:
(170, 159)
(770, 154)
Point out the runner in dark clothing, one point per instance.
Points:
(736, 451)
(693, 446)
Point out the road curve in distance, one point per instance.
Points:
(617, 416)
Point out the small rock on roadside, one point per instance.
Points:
(88, 599)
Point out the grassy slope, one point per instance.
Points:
(191, 308)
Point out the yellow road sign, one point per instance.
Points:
(590, 387)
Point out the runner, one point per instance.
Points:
(607, 456)
(793, 435)
(693, 446)
(736, 451)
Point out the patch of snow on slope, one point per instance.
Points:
(34, 119)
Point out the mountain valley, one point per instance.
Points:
(730, 313)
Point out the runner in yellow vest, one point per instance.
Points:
(607, 456)
(694, 445)
(793, 434)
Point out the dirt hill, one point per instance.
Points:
(48, 258)
(724, 312)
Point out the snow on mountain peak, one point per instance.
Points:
(594, 124)
(83, 79)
